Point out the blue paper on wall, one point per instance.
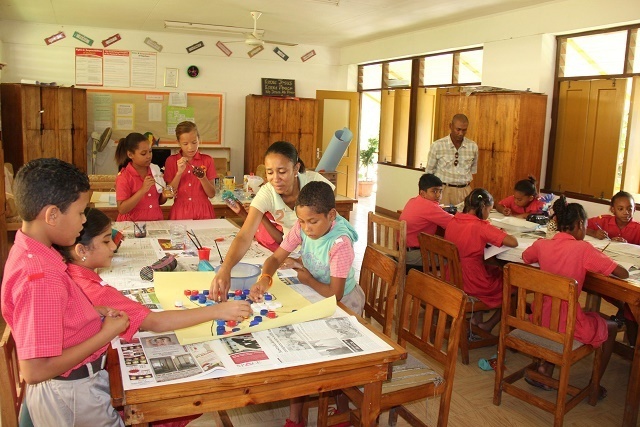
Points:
(335, 150)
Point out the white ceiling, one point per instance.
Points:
(312, 22)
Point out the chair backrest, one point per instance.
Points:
(440, 259)
(12, 385)
(389, 236)
(559, 289)
(379, 279)
(443, 309)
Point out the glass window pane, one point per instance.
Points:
(437, 69)
(599, 54)
(636, 51)
(470, 70)
(372, 76)
(399, 73)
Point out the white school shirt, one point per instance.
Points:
(267, 200)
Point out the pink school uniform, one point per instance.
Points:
(128, 182)
(566, 256)
(630, 232)
(190, 202)
(471, 234)
(423, 215)
(535, 206)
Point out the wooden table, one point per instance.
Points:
(628, 292)
(196, 397)
(344, 206)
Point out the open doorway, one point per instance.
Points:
(368, 143)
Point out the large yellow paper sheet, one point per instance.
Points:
(170, 287)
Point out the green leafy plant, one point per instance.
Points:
(369, 156)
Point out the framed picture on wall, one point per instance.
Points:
(170, 77)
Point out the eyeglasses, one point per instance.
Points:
(455, 162)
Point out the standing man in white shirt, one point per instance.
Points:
(454, 159)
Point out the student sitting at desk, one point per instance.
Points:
(327, 257)
(620, 226)
(567, 254)
(424, 215)
(93, 249)
(61, 338)
(523, 202)
(470, 231)
(191, 174)
(286, 176)
(139, 183)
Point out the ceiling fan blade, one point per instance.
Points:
(280, 43)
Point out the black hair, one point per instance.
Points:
(428, 180)
(527, 186)
(567, 215)
(128, 145)
(476, 201)
(318, 196)
(43, 182)
(621, 194)
(460, 118)
(288, 150)
(97, 223)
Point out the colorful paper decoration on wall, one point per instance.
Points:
(54, 38)
(111, 40)
(223, 47)
(195, 47)
(84, 39)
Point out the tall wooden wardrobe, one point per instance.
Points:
(271, 119)
(43, 121)
(509, 130)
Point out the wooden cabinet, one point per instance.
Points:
(269, 119)
(40, 121)
(509, 131)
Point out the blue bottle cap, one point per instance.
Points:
(264, 312)
(235, 329)
(257, 319)
(205, 292)
(221, 322)
(246, 291)
(268, 297)
(221, 329)
(253, 323)
(193, 297)
(202, 299)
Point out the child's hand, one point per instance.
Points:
(601, 234)
(115, 322)
(182, 164)
(259, 288)
(237, 207)
(233, 310)
(619, 239)
(292, 263)
(506, 211)
(148, 182)
(303, 274)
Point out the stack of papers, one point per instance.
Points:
(512, 224)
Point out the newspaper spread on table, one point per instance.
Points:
(157, 359)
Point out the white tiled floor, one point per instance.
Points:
(359, 220)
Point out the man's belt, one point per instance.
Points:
(455, 185)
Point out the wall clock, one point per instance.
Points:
(193, 71)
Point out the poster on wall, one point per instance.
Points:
(176, 115)
(88, 67)
(116, 68)
(143, 69)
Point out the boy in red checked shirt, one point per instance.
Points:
(423, 214)
(60, 337)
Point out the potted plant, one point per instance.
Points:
(367, 157)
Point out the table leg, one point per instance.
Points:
(370, 404)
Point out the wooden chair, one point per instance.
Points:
(389, 236)
(379, 278)
(527, 334)
(436, 253)
(411, 379)
(12, 385)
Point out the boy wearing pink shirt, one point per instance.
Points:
(423, 214)
(60, 337)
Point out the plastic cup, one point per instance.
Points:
(204, 253)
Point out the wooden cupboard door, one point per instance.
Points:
(64, 146)
(571, 131)
(606, 106)
(79, 131)
(307, 132)
(31, 116)
(260, 119)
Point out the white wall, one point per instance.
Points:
(519, 53)
(28, 57)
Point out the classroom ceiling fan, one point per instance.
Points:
(254, 38)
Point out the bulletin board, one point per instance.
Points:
(146, 111)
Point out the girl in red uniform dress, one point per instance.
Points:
(139, 183)
(470, 231)
(567, 254)
(191, 174)
(524, 200)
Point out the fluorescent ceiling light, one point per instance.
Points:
(176, 25)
